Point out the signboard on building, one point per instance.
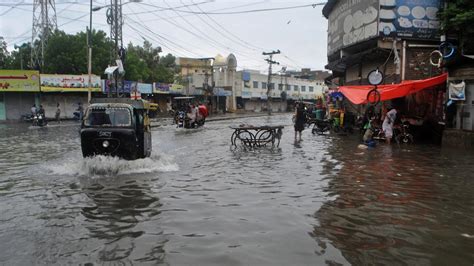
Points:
(19, 81)
(351, 22)
(246, 94)
(161, 87)
(129, 86)
(72, 83)
(222, 92)
(410, 19)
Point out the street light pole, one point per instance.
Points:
(89, 67)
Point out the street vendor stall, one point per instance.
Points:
(420, 103)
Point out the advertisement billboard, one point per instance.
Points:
(129, 86)
(19, 81)
(351, 22)
(168, 88)
(410, 19)
(72, 83)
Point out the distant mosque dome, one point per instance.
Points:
(230, 61)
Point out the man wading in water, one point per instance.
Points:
(299, 121)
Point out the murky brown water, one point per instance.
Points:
(196, 202)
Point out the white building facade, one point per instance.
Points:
(251, 90)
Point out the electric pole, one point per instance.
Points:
(44, 23)
(269, 86)
(115, 20)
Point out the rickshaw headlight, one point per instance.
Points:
(105, 144)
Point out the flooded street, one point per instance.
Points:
(197, 202)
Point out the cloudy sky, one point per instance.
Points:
(300, 33)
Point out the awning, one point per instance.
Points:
(358, 94)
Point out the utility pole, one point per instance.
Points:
(44, 23)
(269, 87)
(89, 59)
(114, 19)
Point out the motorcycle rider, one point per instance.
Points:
(33, 110)
(41, 113)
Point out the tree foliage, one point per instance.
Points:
(458, 18)
(144, 63)
(4, 55)
(67, 54)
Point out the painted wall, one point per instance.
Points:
(68, 103)
(2, 107)
(18, 103)
(465, 109)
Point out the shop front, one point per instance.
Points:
(19, 90)
(69, 91)
(420, 103)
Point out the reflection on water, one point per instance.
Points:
(124, 216)
(196, 201)
(398, 206)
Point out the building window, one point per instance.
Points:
(255, 84)
(280, 86)
(311, 88)
(296, 88)
(195, 71)
(272, 86)
(264, 85)
(303, 88)
(288, 87)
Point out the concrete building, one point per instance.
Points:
(251, 90)
(395, 37)
(212, 78)
(384, 34)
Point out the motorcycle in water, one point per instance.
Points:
(39, 120)
(27, 118)
(402, 134)
(182, 121)
(322, 126)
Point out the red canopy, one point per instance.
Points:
(358, 94)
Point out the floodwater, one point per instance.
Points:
(197, 202)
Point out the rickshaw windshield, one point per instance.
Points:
(110, 117)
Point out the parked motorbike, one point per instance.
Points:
(26, 118)
(76, 116)
(403, 135)
(322, 126)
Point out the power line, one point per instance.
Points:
(253, 10)
(245, 44)
(168, 8)
(160, 35)
(211, 26)
(11, 8)
(213, 43)
(161, 38)
(220, 9)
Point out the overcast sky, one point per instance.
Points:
(300, 33)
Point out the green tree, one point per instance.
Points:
(67, 54)
(4, 54)
(457, 18)
(21, 57)
(135, 66)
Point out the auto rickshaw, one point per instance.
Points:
(116, 127)
(181, 106)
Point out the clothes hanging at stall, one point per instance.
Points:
(457, 92)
